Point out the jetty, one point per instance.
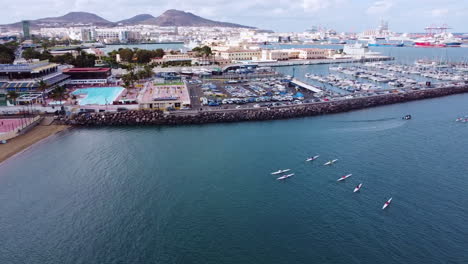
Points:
(305, 86)
(156, 117)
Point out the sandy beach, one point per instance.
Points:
(24, 141)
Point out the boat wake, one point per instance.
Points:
(368, 120)
(372, 125)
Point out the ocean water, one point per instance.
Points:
(204, 194)
(164, 46)
(406, 55)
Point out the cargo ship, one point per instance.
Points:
(429, 44)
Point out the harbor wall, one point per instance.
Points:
(154, 117)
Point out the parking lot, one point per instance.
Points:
(258, 92)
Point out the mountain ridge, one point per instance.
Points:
(171, 17)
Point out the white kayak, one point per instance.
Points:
(313, 158)
(280, 171)
(285, 176)
(387, 203)
(358, 188)
(344, 177)
(331, 162)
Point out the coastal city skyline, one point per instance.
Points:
(287, 16)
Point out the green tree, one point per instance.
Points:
(126, 55)
(7, 54)
(204, 51)
(130, 77)
(144, 56)
(84, 60)
(42, 87)
(31, 53)
(158, 53)
(66, 58)
(45, 55)
(59, 93)
(13, 95)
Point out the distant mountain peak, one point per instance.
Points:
(174, 17)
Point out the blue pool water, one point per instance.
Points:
(98, 95)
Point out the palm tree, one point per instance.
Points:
(42, 88)
(148, 71)
(13, 95)
(59, 93)
(44, 46)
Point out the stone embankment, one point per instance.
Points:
(148, 117)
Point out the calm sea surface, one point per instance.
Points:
(174, 46)
(204, 194)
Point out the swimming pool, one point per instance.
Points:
(98, 95)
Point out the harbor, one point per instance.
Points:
(137, 172)
(226, 132)
(258, 114)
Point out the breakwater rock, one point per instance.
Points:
(154, 117)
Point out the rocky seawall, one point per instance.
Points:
(148, 117)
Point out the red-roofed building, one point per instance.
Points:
(88, 75)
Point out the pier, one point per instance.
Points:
(306, 86)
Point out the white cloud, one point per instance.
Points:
(380, 7)
(439, 12)
(316, 5)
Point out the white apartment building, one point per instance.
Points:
(109, 35)
(240, 55)
(275, 55)
(310, 54)
(359, 50)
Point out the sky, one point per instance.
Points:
(277, 15)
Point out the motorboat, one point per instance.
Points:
(406, 117)
(387, 203)
(344, 177)
(280, 171)
(330, 162)
(285, 176)
(358, 188)
(312, 158)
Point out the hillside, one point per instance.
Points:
(169, 18)
(179, 18)
(136, 19)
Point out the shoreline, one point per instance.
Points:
(156, 117)
(25, 141)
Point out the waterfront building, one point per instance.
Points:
(25, 77)
(311, 54)
(81, 34)
(275, 55)
(33, 70)
(291, 54)
(88, 34)
(88, 75)
(164, 96)
(240, 55)
(182, 57)
(55, 32)
(358, 50)
(111, 35)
